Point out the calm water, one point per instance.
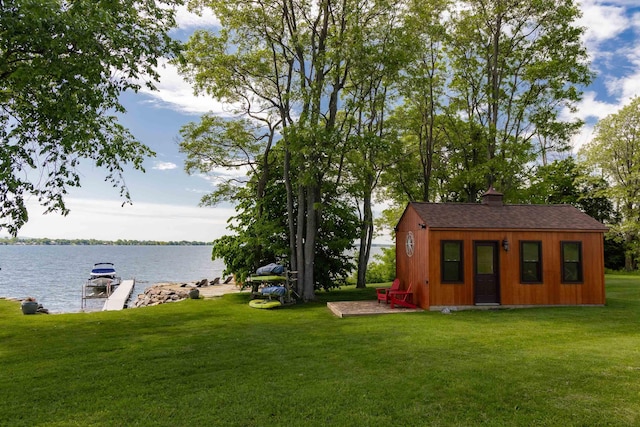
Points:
(54, 275)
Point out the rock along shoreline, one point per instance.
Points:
(162, 293)
(166, 292)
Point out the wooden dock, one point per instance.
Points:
(119, 297)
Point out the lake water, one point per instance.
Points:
(54, 275)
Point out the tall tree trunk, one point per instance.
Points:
(493, 77)
(311, 231)
(299, 238)
(291, 215)
(366, 236)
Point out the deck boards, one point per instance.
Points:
(365, 308)
(120, 296)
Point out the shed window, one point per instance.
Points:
(530, 262)
(452, 265)
(571, 262)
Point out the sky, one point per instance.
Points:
(165, 198)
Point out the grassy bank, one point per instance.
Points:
(220, 362)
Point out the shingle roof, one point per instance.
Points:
(476, 215)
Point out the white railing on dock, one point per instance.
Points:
(118, 299)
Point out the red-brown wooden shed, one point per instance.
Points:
(466, 255)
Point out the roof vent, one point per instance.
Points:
(492, 197)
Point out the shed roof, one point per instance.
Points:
(486, 216)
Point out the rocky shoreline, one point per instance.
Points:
(162, 293)
(167, 292)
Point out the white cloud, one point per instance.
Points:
(627, 86)
(619, 63)
(636, 21)
(163, 166)
(204, 18)
(219, 175)
(581, 138)
(174, 92)
(590, 111)
(177, 94)
(602, 22)
(238, 173)
(109, 220)
(589, 108)
(197, 191)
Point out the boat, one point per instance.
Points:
(103, 270)
(102, 281)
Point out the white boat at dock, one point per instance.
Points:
(101, 284)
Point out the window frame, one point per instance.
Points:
(539, 270)
(460, 269)
(579, 263)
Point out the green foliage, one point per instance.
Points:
(566, 182)
(337, 231)
(513, 64)
(431, 100)
(257, 239)
(215, 143)
(614, 251)
(260, 234)
(593, 201)
(63, 66)
(555, 183)
(614, 154)
(466, 167)
(204, 362)
(384, 268)
(482, 97)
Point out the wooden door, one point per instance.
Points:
(486, 273)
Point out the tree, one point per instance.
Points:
(216, 144)
(555, 183)
(423, 87)
(614, 153)
(291, 59)
(379, 52)
(482, 100)
(384, 268)
(567, 182)
(63, 65)
(268, 232)
(516, 65)
(256, 239)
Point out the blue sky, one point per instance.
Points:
(165, 198)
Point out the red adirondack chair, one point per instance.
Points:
(384, 293)
(403, 298)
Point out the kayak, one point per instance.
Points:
(264, 303)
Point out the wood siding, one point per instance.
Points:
(512, 292)
(423, 268)
(414, 269)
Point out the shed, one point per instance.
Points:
(466, 255)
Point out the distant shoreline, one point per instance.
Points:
(28, 241)
(93, 242)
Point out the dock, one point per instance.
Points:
(118, 299)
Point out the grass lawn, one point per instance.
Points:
(220, 362)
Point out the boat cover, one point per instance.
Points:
(103, 271)
(274, 290)
(270, 269)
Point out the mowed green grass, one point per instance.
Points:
(220, 362)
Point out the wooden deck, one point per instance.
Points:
(118, 299)
(365, 308)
